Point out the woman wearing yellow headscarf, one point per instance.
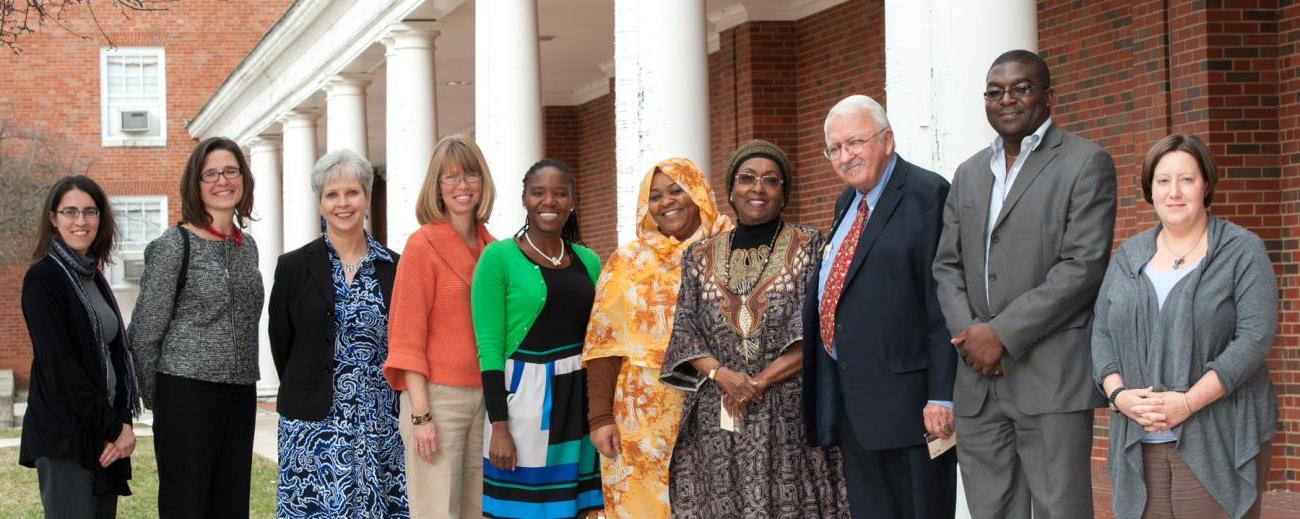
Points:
(633, 417)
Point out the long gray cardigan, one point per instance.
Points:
(1220, 317)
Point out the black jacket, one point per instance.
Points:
(68, 413)
(301, 326)
(891, 340)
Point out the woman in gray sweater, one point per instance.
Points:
(195, 335)
(1184, 322)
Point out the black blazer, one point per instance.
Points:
(301, 326)
(892, 343)
(68, 413)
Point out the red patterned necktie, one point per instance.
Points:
(835, 280)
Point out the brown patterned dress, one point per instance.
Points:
(743, 309)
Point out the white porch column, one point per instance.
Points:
(411, 123)
(345, 113)
(508, 102)
(301, 219)
(935, 65)
(264, 158)
(661, 93)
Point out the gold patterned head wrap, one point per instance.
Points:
(637, 291)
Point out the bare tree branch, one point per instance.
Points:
(22, 17)
(30, 162)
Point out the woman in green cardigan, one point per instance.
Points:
(530, 300)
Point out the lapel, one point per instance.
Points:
(878, 218)
(318, 269)
(444, 242)
(1037, 161)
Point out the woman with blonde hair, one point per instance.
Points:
(633, 418)
(432, 356)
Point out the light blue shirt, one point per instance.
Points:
(1163, 283)
(837, 239)
(1003, 180)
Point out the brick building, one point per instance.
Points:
(1126, 74)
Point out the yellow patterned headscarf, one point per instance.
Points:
(636, 294)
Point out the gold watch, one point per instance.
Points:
(421, 419)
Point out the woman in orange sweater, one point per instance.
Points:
(432, 357)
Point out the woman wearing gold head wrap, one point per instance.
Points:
(633, 417)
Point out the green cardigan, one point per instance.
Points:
(506, 297)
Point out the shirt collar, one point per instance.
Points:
(1029, 143)
(374, 251)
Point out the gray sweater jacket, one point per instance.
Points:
(212, 334)
(1221, 317)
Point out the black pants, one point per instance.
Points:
(203, 436)
(67, 491)
(901, 483)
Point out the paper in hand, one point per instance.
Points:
(939, 445)
(729, 422)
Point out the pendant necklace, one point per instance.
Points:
(554, 261)
(1178, 262)
(351, 268)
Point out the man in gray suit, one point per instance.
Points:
(1028, 224)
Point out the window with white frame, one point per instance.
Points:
(140, 219)
(133, 96)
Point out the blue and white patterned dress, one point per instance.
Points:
(349, 465)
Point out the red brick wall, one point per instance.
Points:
(1129, 73)
(53, 87)
(583, 137)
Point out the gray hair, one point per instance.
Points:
(855, 104)
(338, 163)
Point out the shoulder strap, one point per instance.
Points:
(185, 266)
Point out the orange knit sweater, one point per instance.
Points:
(429, 326)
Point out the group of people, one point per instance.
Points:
(711, 368)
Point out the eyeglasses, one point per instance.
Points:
(769, 181)
(472, 177)
(1017, 92)
(72, 213)
(854, 146)
(210, 176)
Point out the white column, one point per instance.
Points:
(508, 102)
(301, 219)
(411, 123)
(661, 93)
(264, 158)
(345, 113)
(936, 61)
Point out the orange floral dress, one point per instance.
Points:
(632, 318)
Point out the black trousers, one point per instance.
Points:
(203, 437)
(67, 491)
(901, 483)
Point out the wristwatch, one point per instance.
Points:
(1113, 395)
(421, 419)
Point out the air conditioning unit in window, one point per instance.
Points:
(135, 121)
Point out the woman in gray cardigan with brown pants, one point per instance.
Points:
(1184, 321)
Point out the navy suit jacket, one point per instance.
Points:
(892, 343)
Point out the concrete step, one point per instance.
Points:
(7, 398)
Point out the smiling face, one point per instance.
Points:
(225, 193)
(861, 167)
(757, 202)
(77, 233)
(343, 203)
(672, 209)
(1178, 190)
(1015, 118)
(462, 198)
(548, 198)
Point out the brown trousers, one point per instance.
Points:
(1174, 492)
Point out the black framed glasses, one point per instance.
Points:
(72, 213)
(1017, 92)
(471, 177)
(768, 181)
(210, 176)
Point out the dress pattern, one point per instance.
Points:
(351, 464)
(766, 469)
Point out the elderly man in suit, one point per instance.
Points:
(878, 364)
(1027, 231)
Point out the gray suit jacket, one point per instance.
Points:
(1047, 255)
